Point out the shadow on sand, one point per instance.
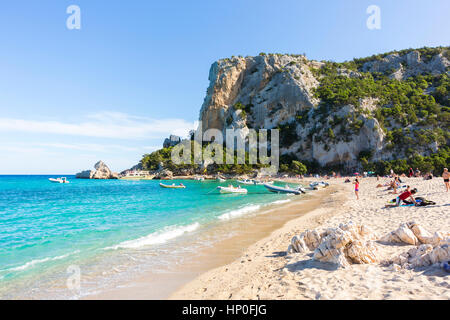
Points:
(310, 264)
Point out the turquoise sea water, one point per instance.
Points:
(45, 227)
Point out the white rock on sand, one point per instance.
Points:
(413, 233)
(345, 245)
(268, 274)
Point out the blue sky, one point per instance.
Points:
(137, 71)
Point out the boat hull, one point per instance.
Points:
(246, 182)
(232, 190)
(171, 187)
(276, 189)
(57, 180)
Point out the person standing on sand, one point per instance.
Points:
(446, 176)
(356, 183)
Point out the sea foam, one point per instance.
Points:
(39, 261)
(239, 212)
(156, 237)
(248, 209)
(281, 201)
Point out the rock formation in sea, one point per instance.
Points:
(101, 172)
(163, 174)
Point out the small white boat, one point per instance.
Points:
(221, 179)
(321, 184)
(199, 178)
(172, 186)
(59, 180)
(260, 183)
(286, 189)
(231, 189)
(246, 181)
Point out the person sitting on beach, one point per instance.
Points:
(428, 176)
(417, 172)
(405, 195)
(395, 184)
(446, 176)
(356, 183)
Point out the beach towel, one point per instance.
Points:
(404, 204)
(421, 202)
(424, 202)
(407, 203)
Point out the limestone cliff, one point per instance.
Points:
(279, 91)
(275, 87)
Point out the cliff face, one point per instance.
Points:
(407, 65)
(275, 88)
(278, 91)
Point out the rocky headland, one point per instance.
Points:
(101, 172)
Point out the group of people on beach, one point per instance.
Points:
(408, 195)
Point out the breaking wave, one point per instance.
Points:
(156, 237)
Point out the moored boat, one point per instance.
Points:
(286, 189)
(231, 189)
(321, 184)
(172, 186)
(59, 180)
(246, 181)
(260, 183)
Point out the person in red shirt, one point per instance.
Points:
(405, 195)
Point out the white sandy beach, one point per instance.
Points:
(265, 271)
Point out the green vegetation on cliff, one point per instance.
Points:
(162, 157)
(434, 163)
